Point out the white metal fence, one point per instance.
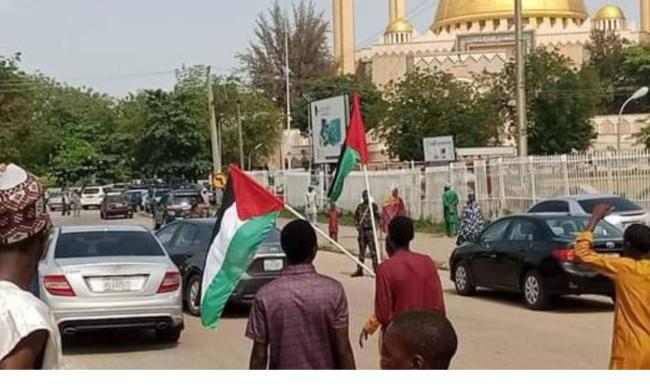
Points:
(502, 186)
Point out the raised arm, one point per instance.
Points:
(585, 253)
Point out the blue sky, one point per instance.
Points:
(117, 46)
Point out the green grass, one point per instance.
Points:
(421, 226)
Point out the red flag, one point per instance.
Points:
(253, 200)
(357, 131)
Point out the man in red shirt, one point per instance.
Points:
(407, 280)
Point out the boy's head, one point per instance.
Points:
(419, 340)
(637, 242)
(400, 234)
(299, 242)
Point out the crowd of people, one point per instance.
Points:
(301, 320)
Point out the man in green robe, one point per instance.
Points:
(450, 202)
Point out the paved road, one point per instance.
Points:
(495, 331)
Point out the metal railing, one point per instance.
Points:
(502, 186)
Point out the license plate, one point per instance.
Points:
(273, 265)
(116, 285)
(615, 255)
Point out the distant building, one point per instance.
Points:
(471, 36)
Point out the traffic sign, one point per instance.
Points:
(219, 181)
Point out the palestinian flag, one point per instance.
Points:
(247, 215)
(354, 151)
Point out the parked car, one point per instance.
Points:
(625, 212)
(55, 199)
(116, 205)
(92, 197)
(187, 243)
(531, 255)
(111, 277)
(179, 204)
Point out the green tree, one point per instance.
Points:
(17, 91)
(261, 119)
(374, 105)
(636, 74)
(172, 146)
(425, 104)
(309, 55)
(607, 57)
(76, 160)
(561, 100)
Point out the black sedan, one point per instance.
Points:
(188, 241)
(531, 255)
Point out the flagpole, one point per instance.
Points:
(372, 214)
(331, 241)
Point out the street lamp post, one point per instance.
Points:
(640, 93)
(522, 120)
(250, 156)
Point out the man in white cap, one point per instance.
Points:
(29, 338)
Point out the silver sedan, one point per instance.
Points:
(111, 277)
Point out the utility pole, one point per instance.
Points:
(522, 122)
(287, 71)
(216, 149)
(241, 137)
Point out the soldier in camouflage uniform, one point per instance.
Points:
(364, 227)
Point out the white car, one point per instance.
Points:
(92, 197)
(55, 199)
(111, 277)
(625, 212)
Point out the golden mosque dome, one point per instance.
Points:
(451, 12)
(400, 26)
(609, 12)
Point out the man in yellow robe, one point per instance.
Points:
(631, 274)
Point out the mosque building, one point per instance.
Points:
(468, 37)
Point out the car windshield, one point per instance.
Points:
(570, 227)
(620, 205)
(91, 191)
(117, 199)
(181, 200)
(273, 236)
(106, 244)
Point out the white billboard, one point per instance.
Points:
(439, 149)
(329, 122)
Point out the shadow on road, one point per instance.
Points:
(564, 304)
(106, 342)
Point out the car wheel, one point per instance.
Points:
(461, 280)
(193, 295)
(130, 215)
(535, 294)
(169, 335)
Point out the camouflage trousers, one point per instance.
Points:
(367, 243)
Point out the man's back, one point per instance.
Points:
(297, 316)
(407, 281)
(632, 326)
